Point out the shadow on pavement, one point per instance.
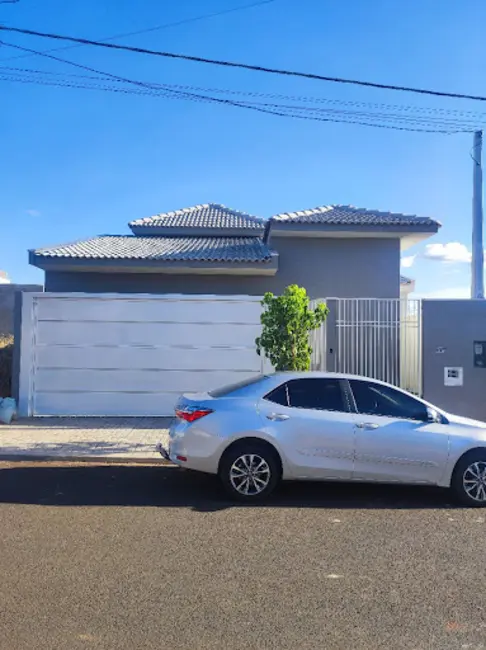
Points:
(169, 487)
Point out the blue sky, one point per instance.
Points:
(77, 163)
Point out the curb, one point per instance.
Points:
(114, 460)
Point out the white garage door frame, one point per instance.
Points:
(131, 354)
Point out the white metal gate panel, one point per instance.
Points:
(124, 355)
(372, 337)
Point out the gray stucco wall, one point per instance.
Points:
(450, 328)
(346, 268)
(7, 302)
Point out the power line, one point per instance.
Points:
(406, 108)
(366, 119)
(93, 82)
(244, 66)
(145, 85)
(304, 110)
(184, 21)
(282, 113)
(273, 109)
(135, 82)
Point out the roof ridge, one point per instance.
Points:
(191, 208)
(306, 212)
(195, 208)
(204, 216)
(340, 213)
(355, 208)
(238, 212)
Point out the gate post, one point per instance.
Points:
(26, 327)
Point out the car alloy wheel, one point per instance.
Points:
(474, 481)
(250, 474)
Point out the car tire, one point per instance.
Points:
(469, 479)
(250, 471)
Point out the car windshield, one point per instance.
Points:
(231, 388)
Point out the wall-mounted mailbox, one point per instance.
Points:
(480, 354)
(453, 376)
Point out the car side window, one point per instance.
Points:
(317, 393)
(279, 395)
(375, 399)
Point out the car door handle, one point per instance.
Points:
(367, 425)
(278, 417)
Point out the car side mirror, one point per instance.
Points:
(433, 415)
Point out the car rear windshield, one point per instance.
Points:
(232, 388)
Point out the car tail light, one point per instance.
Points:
(192, 414)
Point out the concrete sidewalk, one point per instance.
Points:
(116, 439)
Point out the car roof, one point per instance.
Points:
(322, 374)
(319, 374)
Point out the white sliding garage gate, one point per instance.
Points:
(124, 355)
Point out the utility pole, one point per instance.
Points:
(477, 270)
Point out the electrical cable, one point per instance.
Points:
(448, 129)
(132, 81)
(184, 21)
(282, 111)
(100, 83)
(303, 98)
(244, 66)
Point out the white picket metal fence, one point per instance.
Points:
(373, 337)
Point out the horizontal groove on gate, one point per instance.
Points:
(118, 369)
(202, 298)
(147, 322)
(110, 392)
(144, 345)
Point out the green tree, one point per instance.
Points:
(287, 322)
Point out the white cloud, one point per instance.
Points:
(4, 279)
(407, 262)
(33, 213)
(450, 252)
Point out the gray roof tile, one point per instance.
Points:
(348, 215)
(167, 249)
(207, 216)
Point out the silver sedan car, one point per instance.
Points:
(325, 426)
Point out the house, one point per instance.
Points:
(129, 322)
(334, 250)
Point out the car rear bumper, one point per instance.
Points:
(178, 454)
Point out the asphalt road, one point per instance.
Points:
(132, 557)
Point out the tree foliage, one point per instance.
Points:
(287, 322)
